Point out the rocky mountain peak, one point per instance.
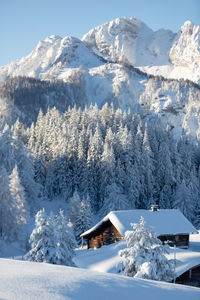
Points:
(186, 49)
(187, 28)
(87, 78)
(127, 41)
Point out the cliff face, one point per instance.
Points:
(130, 41)
(185, 50)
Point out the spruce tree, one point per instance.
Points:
(9, 213)
(84, 219)
(42, 239)
(114, 200)
(183, 200)
(74, 207)
(51, 241)
(144, 256)
(18, 196)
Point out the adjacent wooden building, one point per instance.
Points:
(169, 224)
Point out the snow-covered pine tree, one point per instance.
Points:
(82, 170)
(164, 173)
(31, 139)
(139, 200)
(126, 161)
(39, 133)
(80, 149)
(93, 161)
(74, 207)
(147, 169)
(18, 131)
(9, 227)
(51, 241)
(27, 174)
(114, 200)
(42, 239)
(18, 195)
(7, 144)
(144, 256)
(65, 241)
(84, 219)
(183, 200)
(107, 170)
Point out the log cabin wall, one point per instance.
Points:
(105, 235)
(181, 240)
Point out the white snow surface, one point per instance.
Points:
(20, 280)
(128, 40)
(106, 258)
(51, 58)
(163, 221)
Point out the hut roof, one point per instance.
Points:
(163, 221)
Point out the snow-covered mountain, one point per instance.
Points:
(127, 41)
(105, 66)
(184, 56)
(160, 53)
(51, 58)
(130, 41)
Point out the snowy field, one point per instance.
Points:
(20, 280)
(106, 259)
(95, 277)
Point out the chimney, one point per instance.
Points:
(154, 207)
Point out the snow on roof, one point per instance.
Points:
(163, 221)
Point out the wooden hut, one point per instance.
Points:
(169, 224)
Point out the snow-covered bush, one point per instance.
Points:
(144, 256)
(51, 240)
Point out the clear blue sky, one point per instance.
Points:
(24, 22)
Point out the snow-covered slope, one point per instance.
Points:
(177, 103)
(185, 51)
(101, 69)
(184, 56)
(129, 41)
(51, 57)
(106, 258)
(25, 280)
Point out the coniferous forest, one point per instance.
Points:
(95, 160)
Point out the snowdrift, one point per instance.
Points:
(27, 280)
(106, 259)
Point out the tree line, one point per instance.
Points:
(105, 158)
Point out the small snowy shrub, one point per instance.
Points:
(144, 256)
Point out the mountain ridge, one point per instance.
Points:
(123, 40)
(100, 69)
